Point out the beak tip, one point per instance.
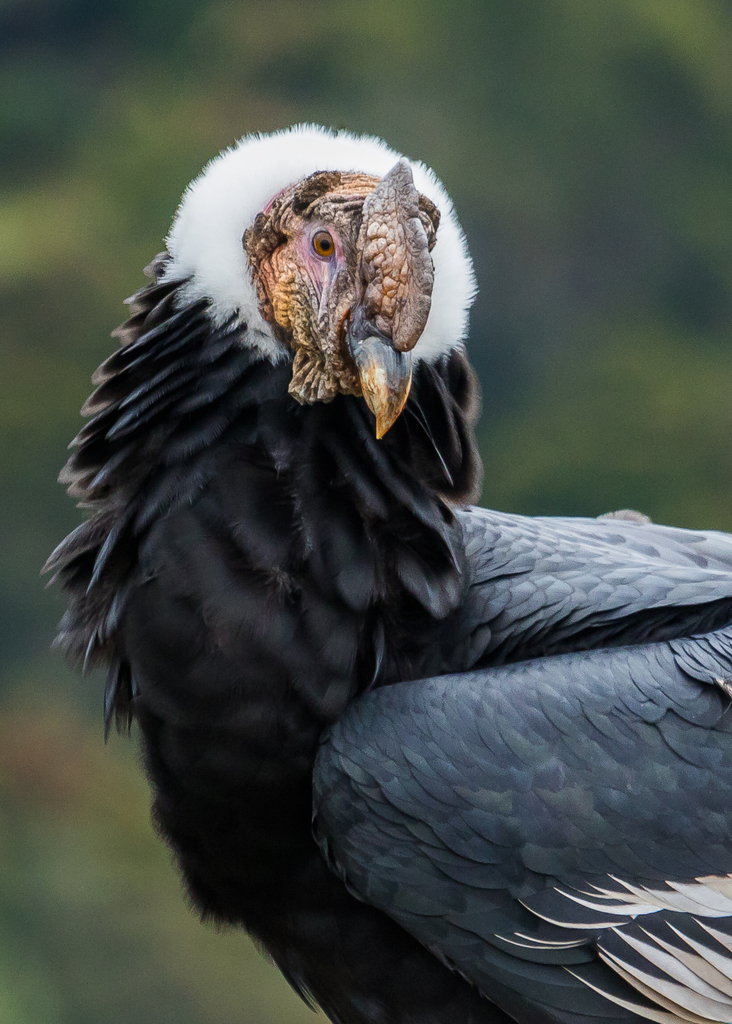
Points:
(385, 376)
(383, 415)
(386, 413)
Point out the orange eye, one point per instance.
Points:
(323, 244)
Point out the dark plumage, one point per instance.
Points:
(539, 834)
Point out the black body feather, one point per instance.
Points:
(251, 566)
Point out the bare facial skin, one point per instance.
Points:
(343, 272)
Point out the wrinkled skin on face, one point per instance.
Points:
(343, 272)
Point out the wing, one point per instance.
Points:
(557, 830)
(545, 586)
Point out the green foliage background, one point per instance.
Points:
(588, 147)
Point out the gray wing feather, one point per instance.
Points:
(547, 585)
(517, 820)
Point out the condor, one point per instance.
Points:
(445, 764)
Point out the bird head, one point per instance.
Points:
(342, 265)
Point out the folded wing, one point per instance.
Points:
(550, 585)
(557, 830)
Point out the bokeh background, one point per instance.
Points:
(588, 147)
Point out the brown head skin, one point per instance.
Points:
(343, 272)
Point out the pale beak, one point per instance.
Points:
(385, 376)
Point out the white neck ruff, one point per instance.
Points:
(205, 240)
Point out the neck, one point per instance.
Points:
(366, 524)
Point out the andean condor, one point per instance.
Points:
(445, 764)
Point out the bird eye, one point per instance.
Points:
(323, 244)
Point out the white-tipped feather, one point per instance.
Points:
(205, 240)
(706, 896)
(688, 981)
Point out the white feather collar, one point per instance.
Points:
(205, 240)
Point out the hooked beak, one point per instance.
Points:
(385, 375)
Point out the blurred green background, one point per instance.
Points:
(588, 147)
